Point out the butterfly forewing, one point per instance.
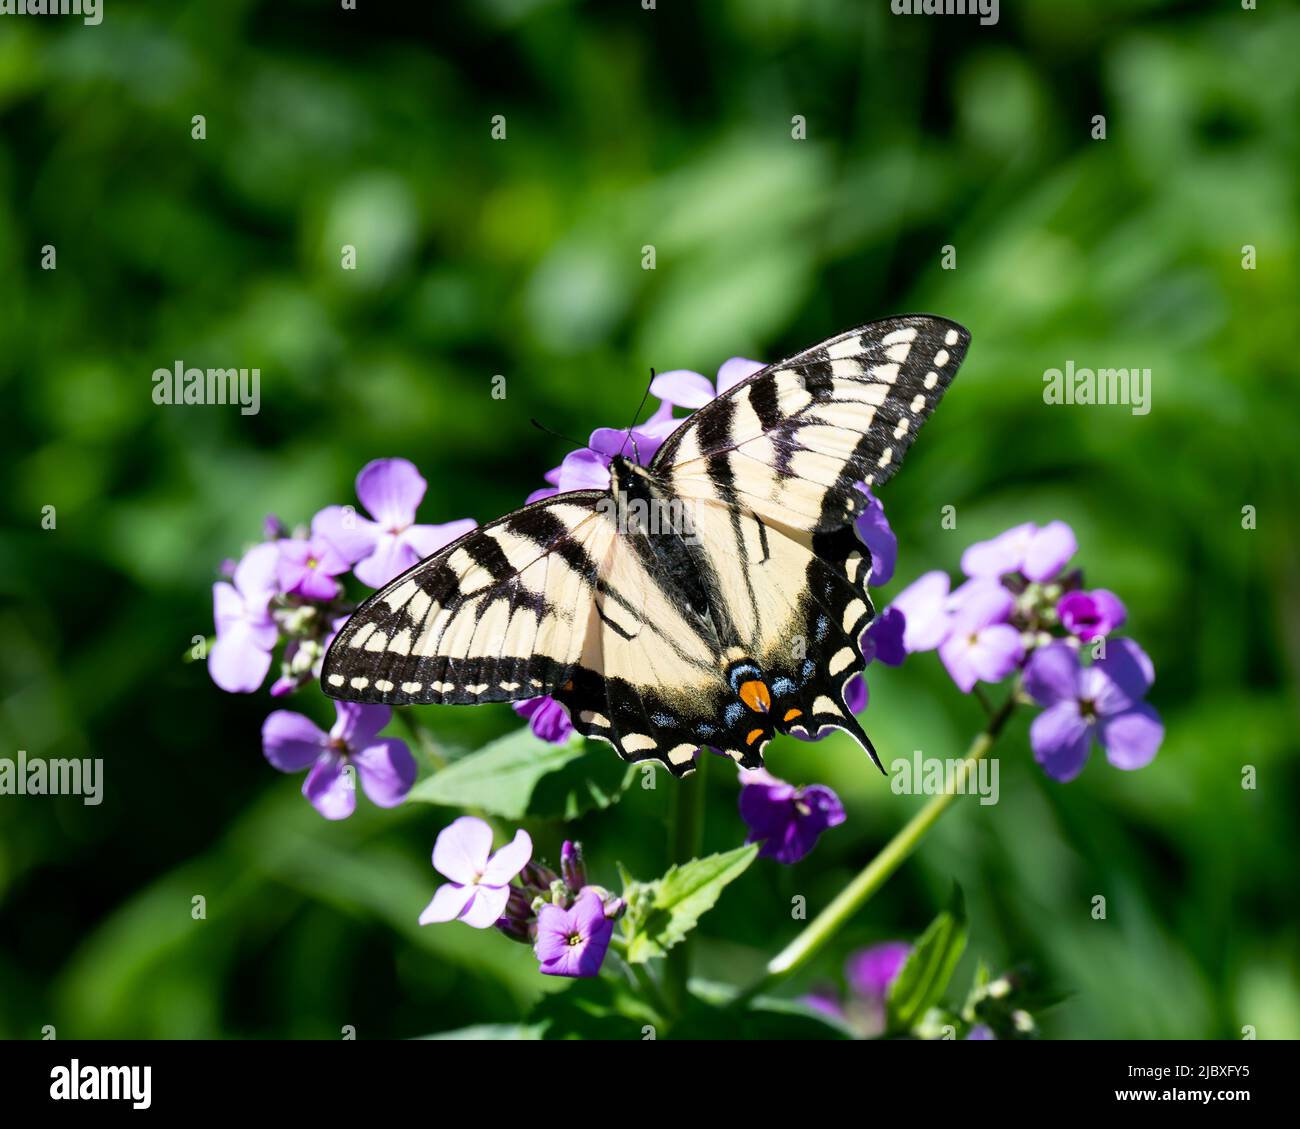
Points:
(499, 615)
(793, 440)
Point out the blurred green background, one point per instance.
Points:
(523, 257)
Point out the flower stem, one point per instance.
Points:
(854, 896)
(685, 832)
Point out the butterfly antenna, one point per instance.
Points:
(637, 415)
(558, 434)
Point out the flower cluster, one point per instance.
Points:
(288, 589)
(1021, 609)
(568, 921)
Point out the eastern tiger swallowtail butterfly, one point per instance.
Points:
(738, 618)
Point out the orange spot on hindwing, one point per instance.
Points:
(752, 736)
(790, 715)
(755, 695)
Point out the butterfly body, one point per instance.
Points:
(714, 598)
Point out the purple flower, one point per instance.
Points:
(883, 642)
(871, 971)
(981, 646)
(246, 633)
(785, 819)
(874, 531)
(479, 885)
(1038, 553)
(572, 942)
(1103, 700)
(924, 605)
(307, 568)
(391, 490)
(588, 468)
(980, 1031)
(686, 389)
(1087, 615)
(547, 718)
(856, 694)
(292, 742)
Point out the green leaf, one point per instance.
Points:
(521, 775)
(661, 913)
(925, 975)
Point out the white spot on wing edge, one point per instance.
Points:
(639, 743)
(951, 338)
(337, 680)
(854, 612)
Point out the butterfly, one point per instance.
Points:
(716, 597)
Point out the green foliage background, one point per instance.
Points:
(523, 258)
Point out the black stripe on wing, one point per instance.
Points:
(498, 615)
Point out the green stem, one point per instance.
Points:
(685, 831)
(854, 896)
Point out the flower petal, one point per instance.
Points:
(923, 606)
(462, 848)
(357, 725)
(584, 470)
(1132, 738)
(683, 388)
(1061, 738)
(255, 573)
(1049, 550)
(1052, 674)
(979, 603)
(353, 536)
(509, 860)
(1126, 675)
(488, 905)
(387, 771)
(449, 902)
(290, 741)
(547, 718)
(734, 370)
(996, 652)
(999, 555)
(391, 490)
(874, 531)
(236, 663)
(426, 540)
(392, 556)
(856, 694)
(870, 971)
(611, 441)
(884, 638)
(331, 788)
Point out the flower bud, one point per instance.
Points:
(572, 866)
